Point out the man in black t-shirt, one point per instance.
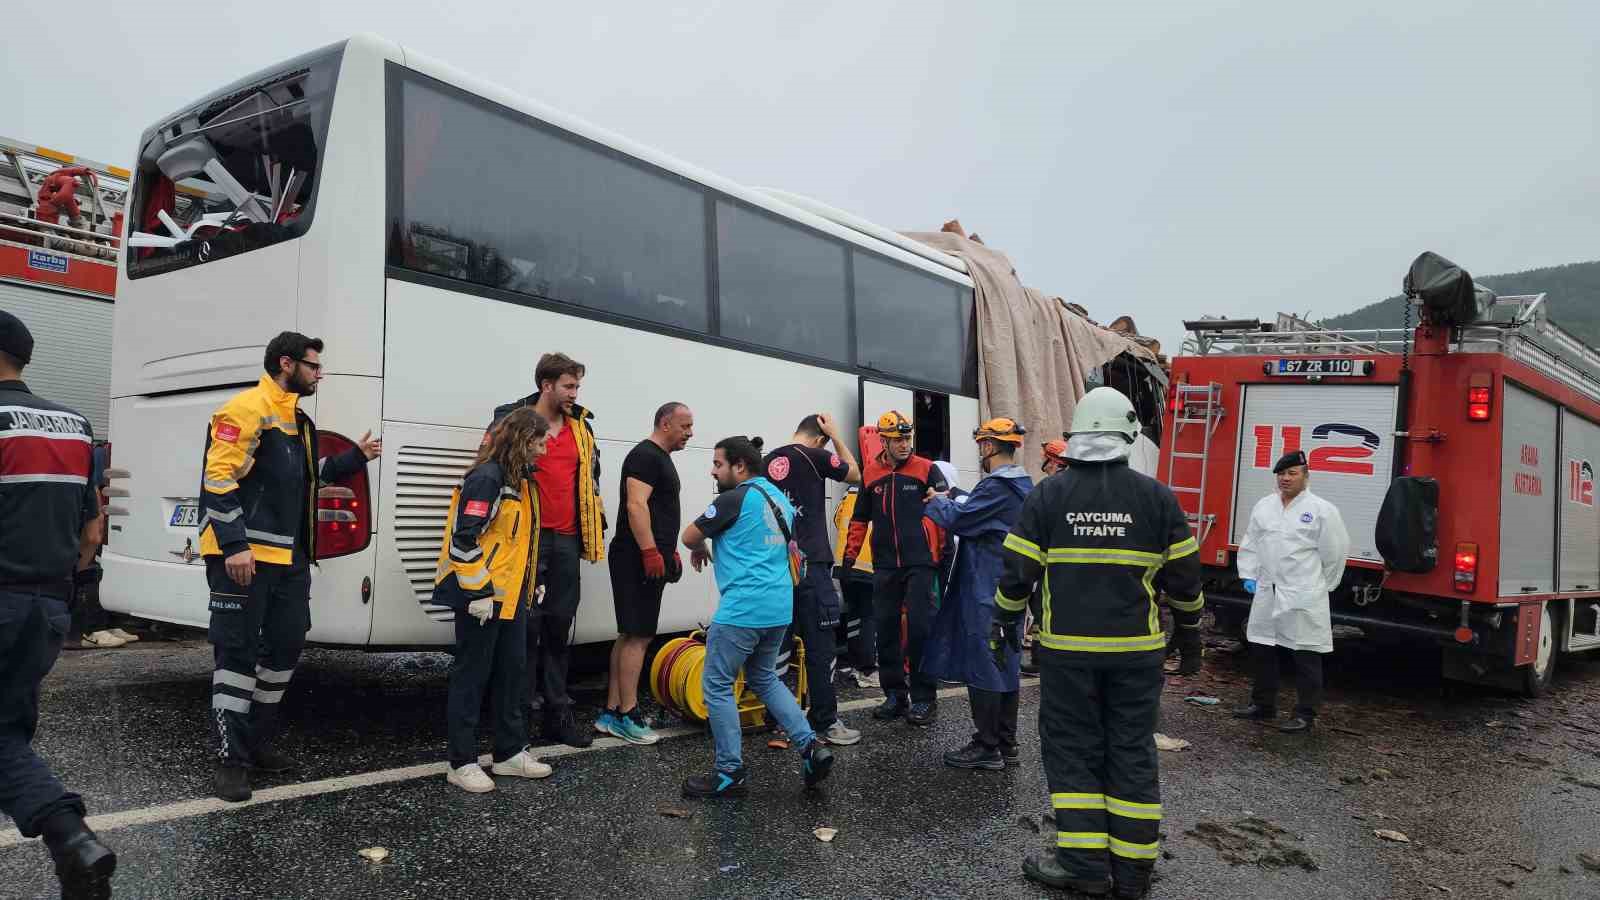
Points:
(802, 470)
(642, 561)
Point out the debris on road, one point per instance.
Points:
(825, 834)
(1525, 866)
(1389, 834)
(1171, 744)
(1507, 882)
(1349, 731)
(1201, 700)
(1581, 782)
(374, 854)
(1028, 822)
(1441, 888)
(1254, 841)
(675, 812)
(1590, 861)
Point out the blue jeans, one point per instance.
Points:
(728, 647)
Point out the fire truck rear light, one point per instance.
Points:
(1466, 568)
(1463, 635)
(1478, 404)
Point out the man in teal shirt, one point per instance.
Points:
(750, 525)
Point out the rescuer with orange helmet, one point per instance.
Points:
(964, 644)
(905, 555)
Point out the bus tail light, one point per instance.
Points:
(1466, 576)
(344, 511)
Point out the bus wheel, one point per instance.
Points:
(1536, 676)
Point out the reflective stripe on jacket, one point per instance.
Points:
(591, 515)
(258, 484)
(1097, 535)
(491, 543)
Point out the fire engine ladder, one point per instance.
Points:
(1197, 405)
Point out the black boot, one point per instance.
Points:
(231, 783)
(561, 726)
(1255, 711)
(84, 867)
(1047, 870)
(893, 707)
(270, 760)
(1133, 890)
(975, 756)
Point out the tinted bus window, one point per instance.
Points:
(911, 325)
(780, 286)
(489, 196)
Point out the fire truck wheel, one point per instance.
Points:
(1536, 676)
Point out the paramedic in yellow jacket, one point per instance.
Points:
(486, 574)
(860, 638)
(258, 503)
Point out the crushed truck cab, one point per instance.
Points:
(1461, 455)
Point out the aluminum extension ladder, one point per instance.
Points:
(1195, 404)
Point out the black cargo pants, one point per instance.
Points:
(1097, 721)
(256, 636)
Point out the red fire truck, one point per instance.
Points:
(1461, 454)
(60, 236)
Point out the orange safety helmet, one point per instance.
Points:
(893, 424)
(1055, 451)
(1001, 430)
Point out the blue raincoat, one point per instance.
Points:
(958, 648)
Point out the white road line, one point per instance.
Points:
(188, 809)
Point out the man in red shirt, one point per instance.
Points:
(572, 529)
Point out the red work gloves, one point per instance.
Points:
(654, 565)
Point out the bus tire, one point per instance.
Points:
(1537, 675)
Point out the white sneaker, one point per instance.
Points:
(103, 639)
(523, 765)
(841, 735)
(127, 638)
(470, 778)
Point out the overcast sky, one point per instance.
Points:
(1157, 159)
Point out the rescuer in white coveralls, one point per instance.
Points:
(1292, 556)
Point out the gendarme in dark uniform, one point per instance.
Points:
(48, 511)
(1098, 534)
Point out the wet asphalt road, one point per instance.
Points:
(1498, 796)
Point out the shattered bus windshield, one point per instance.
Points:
(234, 173)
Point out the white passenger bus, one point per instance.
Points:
(440, 234)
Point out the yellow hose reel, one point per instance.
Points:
(676, 673)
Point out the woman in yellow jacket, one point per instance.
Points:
(485, 574)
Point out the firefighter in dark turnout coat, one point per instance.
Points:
(1097, 535)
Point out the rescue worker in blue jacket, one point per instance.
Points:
(960, 647)
(1098, 534)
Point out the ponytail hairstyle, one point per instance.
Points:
(508, 443)
(741, 449)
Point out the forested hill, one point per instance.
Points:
(1573, 301)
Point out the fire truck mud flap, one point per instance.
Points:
(1527, 665)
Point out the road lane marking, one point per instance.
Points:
(188, 809)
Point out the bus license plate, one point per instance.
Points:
(1344, 366)
(185, 515)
